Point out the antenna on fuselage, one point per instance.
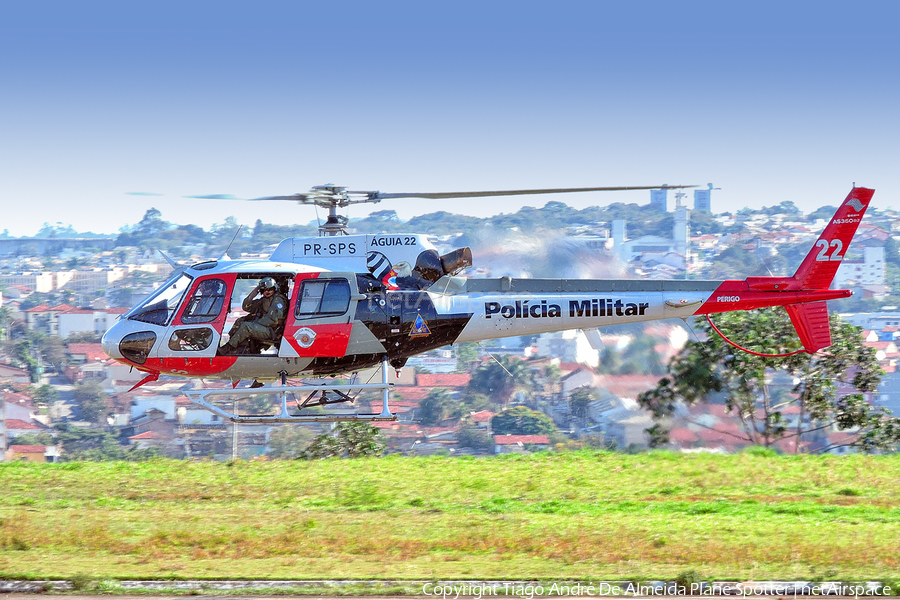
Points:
(228, 247)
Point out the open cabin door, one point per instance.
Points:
(320, 318)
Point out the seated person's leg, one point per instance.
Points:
(238, 336)
(235, 327)
(248, 330)
(258, 332)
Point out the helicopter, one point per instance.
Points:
(357, 301)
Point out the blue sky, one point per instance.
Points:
(770, 101)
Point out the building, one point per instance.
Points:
(34, 281)
(680, 243)
(703, 199)
(681, 231)
(868, 271)
(63, 319)
(505, 444)
(659, 200)
(14, 374)
(34, 453)
(569, 346)
(52, 246)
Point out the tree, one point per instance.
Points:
(23, 353)
(466, 354)
(580, 403)
(258, 405)
(351, 440)
(91, 399)
(553, 376)
(640, 356)
(6, 322)
(433, 408)
(152, 224)
(786, 207)
(83, 337)
(501, 379)
(891, 255)
(520, 420)
(475, 402)
(748, 384)
(53, 351)
(79, 443)
(46, 394)
(289, 441)
(121, 297)
(472, 436)
(42, 438)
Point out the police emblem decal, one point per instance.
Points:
(305, 337)
(419, 328)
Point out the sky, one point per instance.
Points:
(769, 101)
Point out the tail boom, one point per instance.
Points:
(738, 295)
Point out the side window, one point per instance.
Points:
(191, 340)
(323, 297)
(206, 303)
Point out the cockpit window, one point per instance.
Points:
(206, 303)
(160, 306)
(322, 297)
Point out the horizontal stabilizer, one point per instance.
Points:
(811, 322)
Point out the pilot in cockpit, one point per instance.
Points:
(264, 321)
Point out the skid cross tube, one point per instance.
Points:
(198, 397)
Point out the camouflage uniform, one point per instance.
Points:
(266, 315)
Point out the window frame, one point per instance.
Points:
(166, 297)
(218, 300)
(318, 313)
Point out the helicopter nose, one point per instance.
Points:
(110, 342)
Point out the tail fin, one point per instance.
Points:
(817, 270)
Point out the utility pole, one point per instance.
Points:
(234, 433)
(2, 428)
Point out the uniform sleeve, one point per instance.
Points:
(248, 303)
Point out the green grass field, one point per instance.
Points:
(581, 515)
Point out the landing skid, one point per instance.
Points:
(199, 398)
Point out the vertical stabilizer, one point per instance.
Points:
(817, 270)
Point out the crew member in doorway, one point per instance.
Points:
(265, 318)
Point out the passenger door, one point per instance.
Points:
(320, 316)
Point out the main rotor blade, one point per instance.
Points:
(293, 198)
(441, 195)
(215, 197)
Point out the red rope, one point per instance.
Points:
(722, 335)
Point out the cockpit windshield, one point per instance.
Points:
(160, 306)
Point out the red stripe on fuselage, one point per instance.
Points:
(190, 367)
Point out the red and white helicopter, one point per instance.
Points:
(357, 301)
